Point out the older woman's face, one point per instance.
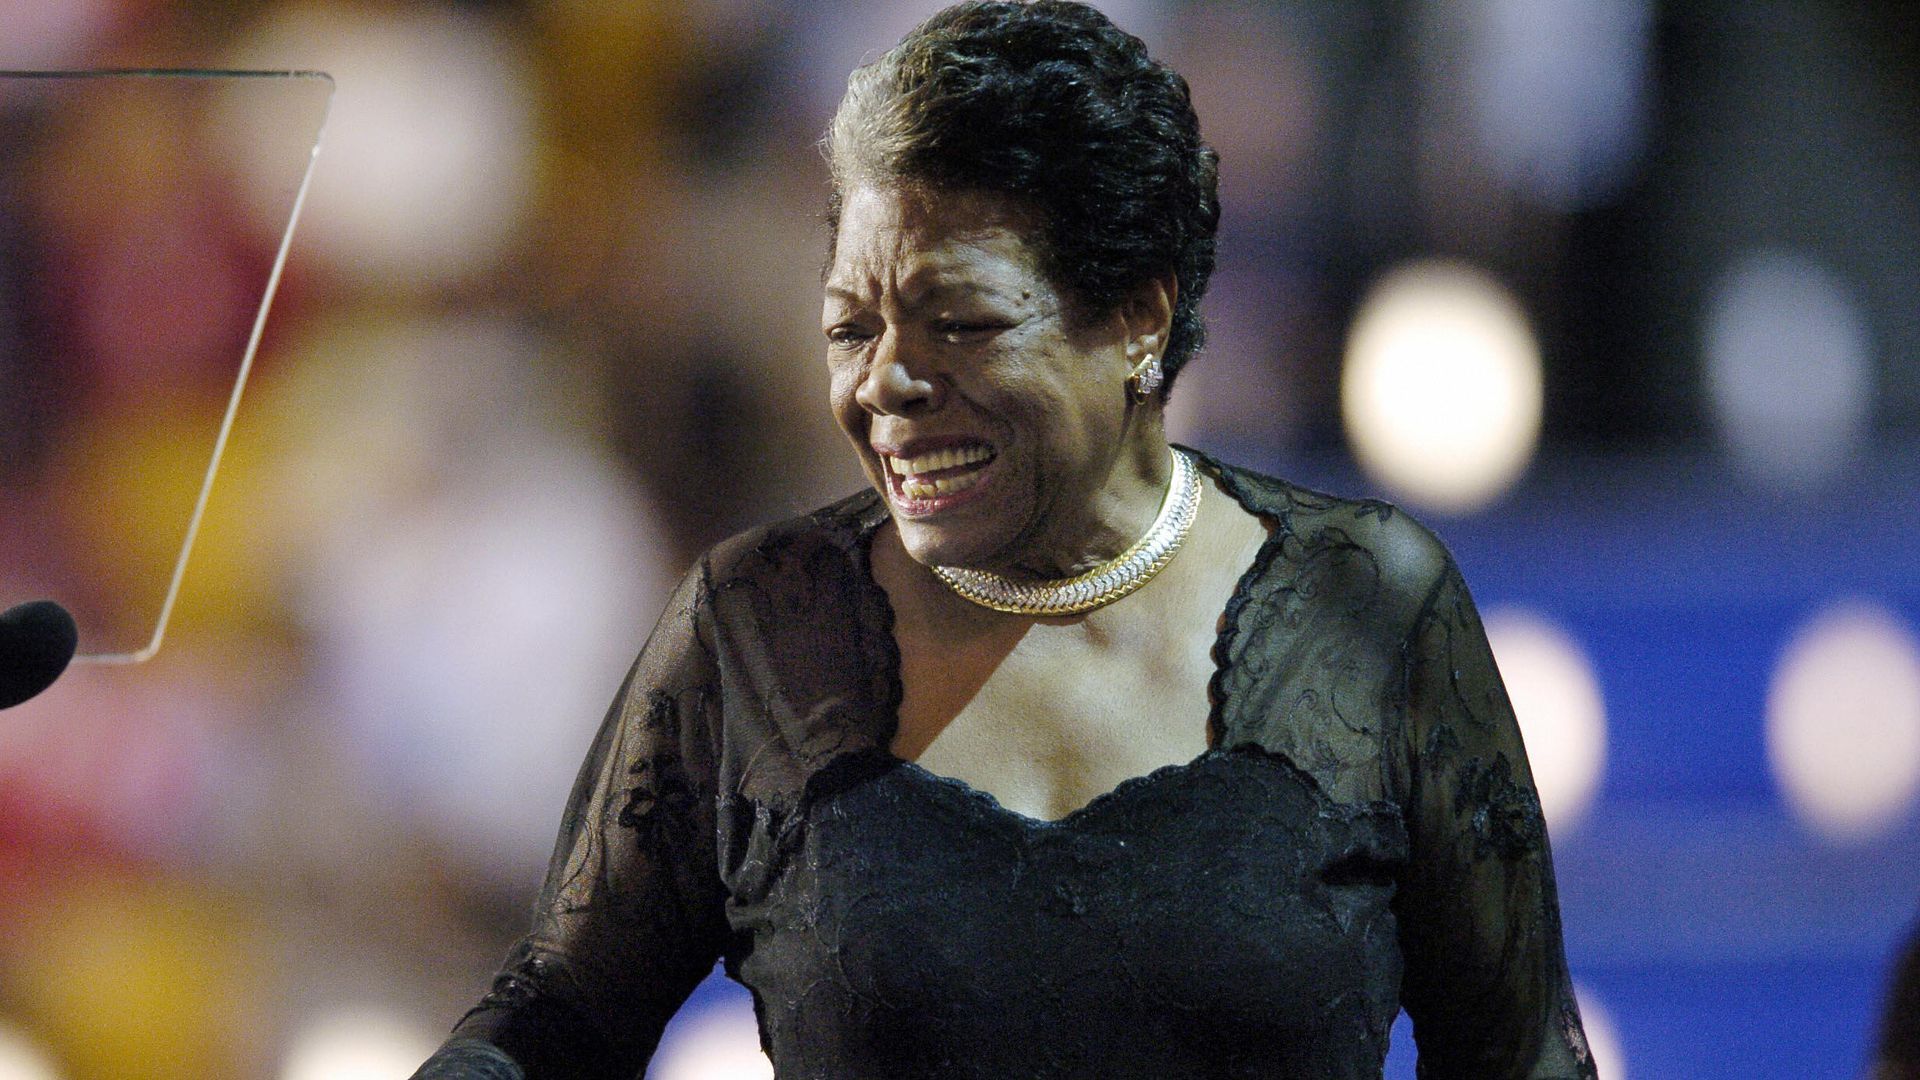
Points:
(988, 416)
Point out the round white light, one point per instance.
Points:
(22, 1059)
(1561, 712)
(1789, 369)
(1442, 388)
(1603, 1040)
(1843, 721)
(1558, 91)
(722, 1043)
(358, 1044)
(427, 160)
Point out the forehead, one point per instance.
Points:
(913, 241)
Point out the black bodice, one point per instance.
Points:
(1364, 835)
(1217, 919)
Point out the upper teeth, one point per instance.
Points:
(935, 460)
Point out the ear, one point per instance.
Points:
(1148, 312)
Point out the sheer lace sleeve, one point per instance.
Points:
(1899, 1051)
(1486, 979)
(630, 919)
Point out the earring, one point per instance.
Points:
(1145, 379)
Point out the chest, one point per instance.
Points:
(1062, 714)
(1220, 918)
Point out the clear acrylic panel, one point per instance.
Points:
(145, 219)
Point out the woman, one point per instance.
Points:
(1060, 752)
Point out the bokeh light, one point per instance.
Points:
(1603, 1038)
(1789, 369)
(475, 576)
(21, 1058)
(358, 1043)
(1562, 715)
(1442, 387)
(430, 147)
(720, 1043)
(1559, 93)
(138, 979)
(1843, 721)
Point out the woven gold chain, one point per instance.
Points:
(1105, 583)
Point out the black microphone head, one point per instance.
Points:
(37, 640)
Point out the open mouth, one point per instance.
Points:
(931, 479)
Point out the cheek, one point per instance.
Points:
(1028, 378)
(1066, 395)
(841, 386)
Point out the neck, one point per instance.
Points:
(1117, 515)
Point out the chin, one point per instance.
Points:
(932, 545)
(944, 544)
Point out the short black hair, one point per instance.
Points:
(1052, 104)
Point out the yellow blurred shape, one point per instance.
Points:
(139, 979)
(130, 492)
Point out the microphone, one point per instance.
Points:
(37, 640)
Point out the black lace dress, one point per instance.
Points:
(1362, 836)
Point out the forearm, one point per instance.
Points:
(469, 1059)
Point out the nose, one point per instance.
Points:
(893, 385)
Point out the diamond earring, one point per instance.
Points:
(1145, 379)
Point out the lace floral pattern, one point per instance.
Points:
(1363, 836)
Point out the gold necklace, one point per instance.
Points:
(1103, 584)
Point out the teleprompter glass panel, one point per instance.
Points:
(145, 218)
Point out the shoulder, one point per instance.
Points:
(795, 597)
(839, 531)
(802, 642)
(1356, 548)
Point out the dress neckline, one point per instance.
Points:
(872, 513)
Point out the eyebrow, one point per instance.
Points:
(932, 293)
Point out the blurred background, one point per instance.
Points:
(1617, 295)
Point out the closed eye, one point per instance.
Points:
(960, 331)
(847, 337)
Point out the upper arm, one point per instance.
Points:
(1486, 980)
(630, 918)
